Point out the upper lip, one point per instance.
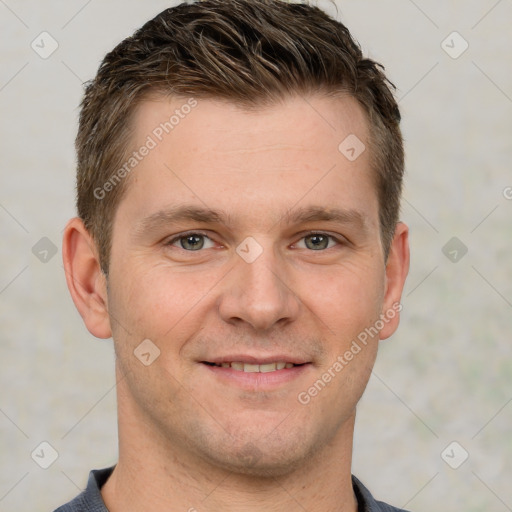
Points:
(249, 359)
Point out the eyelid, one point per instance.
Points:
(339, 239)
(179, 236)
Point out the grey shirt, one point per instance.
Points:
(90, 500)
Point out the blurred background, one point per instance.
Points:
(434, 427)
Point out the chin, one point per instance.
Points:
(263, 459)
(263, 468)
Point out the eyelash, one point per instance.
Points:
(339, 241)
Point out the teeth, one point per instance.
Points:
(255, 368)
(269, 367)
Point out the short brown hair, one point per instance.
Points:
(250, 52)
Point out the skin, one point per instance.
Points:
(189, 437)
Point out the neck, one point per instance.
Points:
(153, 473)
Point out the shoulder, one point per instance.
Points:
(367, 503)
(90, 499)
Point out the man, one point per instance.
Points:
(239, 175)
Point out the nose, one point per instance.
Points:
(259, 293)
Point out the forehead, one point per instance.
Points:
(299, 119)
(216, 154)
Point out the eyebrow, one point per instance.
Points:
(179, 213)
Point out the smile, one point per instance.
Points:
(255, 368)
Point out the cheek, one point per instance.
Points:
(347, 298)
(159, 303)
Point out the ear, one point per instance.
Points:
(397, 268)
(86, 282)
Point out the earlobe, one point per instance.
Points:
(397, 268)
(86, 282)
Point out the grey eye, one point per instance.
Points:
(316, 242)
(192, 242)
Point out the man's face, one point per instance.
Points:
(290, 269)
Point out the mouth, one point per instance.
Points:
(255, 367)
(252, 373)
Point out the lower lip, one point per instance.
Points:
(258, 380)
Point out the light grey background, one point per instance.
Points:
(444, 376)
